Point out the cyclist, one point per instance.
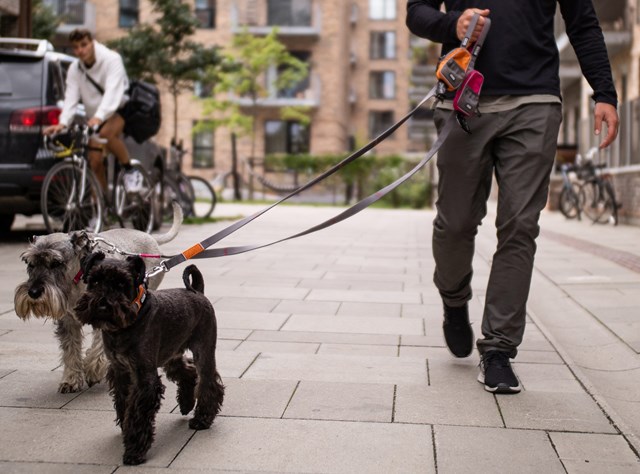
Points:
(98, 80)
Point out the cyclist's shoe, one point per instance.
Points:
(133, 180)
(457, 330)
(496, 373)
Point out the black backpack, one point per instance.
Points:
(141, 114)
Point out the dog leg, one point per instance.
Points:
(210, 391)
(139, 421)
(95, 362)
(69, 333)
(119, 383)
(183, 372)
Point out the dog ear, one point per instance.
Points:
(80, 240)
(88, 262)
(138, 269)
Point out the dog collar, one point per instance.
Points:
(78, 277)
(141, 298)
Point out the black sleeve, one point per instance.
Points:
(586, 37)
(424, 19)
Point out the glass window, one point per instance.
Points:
(379, 121)
(206, 13)
(382, 9)
(289, 12)
(203, 149)
(202, 89)
(129, 13)
(382, 85)
(382, 45)
(285, 137)
(297, 90)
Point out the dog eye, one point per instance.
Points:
(55, 264)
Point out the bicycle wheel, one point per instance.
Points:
(590, 198)
(135, 198)
(569, 202)
(172, 192)
(69, 202)
(609, 205)
(204, 197)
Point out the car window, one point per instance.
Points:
(20, 77)
(55, 84)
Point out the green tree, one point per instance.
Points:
(44, 21)
(250, 58)
(164, 52)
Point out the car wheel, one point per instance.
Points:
(6, 221)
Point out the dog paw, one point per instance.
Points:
(133, 459)
(69, 387)
(196, 424)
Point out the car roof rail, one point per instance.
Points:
(25, 46)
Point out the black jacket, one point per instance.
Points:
(520, 56)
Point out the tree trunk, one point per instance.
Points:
(234, 169)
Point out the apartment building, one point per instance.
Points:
(358, 53)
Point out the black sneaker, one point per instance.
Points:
(496, 373)
(457, 330)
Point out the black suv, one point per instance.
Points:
(32, 82)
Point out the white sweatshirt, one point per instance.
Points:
(108, 71)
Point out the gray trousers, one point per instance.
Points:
(519, 145)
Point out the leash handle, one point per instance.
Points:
(480, 41)
(469, 32)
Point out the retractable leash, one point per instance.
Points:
(200, 250)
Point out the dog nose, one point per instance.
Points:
(103, 305)
(35, 292)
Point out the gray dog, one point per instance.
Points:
(144, 330)
(54, 286)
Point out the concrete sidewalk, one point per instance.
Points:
(331, 351)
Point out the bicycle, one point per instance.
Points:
(597, 195)
(194, 194)
(72, 197)
(569, 199)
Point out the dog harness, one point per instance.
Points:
(458, 75)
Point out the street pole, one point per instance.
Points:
(24, 19)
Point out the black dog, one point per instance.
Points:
(145, 330)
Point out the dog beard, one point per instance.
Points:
(52, 303)
(119, 314)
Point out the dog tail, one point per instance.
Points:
(175, 226)
(197, 282)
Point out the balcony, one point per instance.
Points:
(74, 14)
(306, 94)
(292, 18)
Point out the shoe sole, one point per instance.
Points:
(500, 389)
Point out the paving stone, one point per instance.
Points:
(337, 368)
(237, 334)
(355, 324)
(554, 411)
(342, 402)
(581, 467)
(227, 344)
(364, 296)
(538, 357)
(307, 307)
(245, 304)
(356, 276)
(547, 378)
(280, 347)
(494, 450)
(430, 340)
(256, 398)
(388, 310)
(445, 406)
(325, 337)
(34, 389)
(325, 284)
(81, 437)
(276, 445)
(461, 374)
(232, 319)
(358, 349)
(53, 468)
(594, 448)
(233, 364)
(257, 292)
(5, 372)
(29, 355)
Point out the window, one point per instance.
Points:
(202, 89)
(285, 137)
(382, 9)
(203, 149)
(298, 89)
(382, 85)
(129, 11)
(289, 13)
(379, 121)
(382, 45)
(206, 13)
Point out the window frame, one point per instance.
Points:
(130, 10)
(374, 85)
(197, 149)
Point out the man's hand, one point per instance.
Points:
(608, 114)
(94, 122)
(465, 19)
(53, 129)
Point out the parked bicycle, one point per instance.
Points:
(194, 194)
(569, 199)
(597, 195)
(72, 198)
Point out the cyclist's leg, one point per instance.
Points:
(112, 132)
(96, 161)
